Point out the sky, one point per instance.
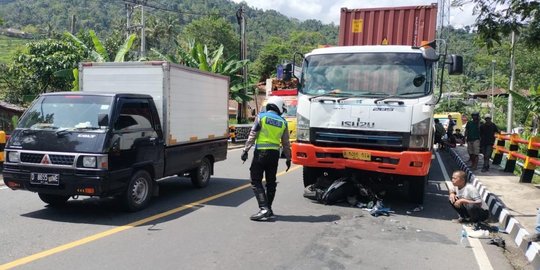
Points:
(328, 11)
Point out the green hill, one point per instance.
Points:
(8, 46)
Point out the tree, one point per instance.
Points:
(32, 71)
(198, 56)
(277, 50)
(214, 32)
(498, 18)
(98, 54)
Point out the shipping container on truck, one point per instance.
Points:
(365, 109)
(129, 126)
(410, 25)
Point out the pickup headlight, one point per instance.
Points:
(302, 128)
(94, 162)
(14, 156)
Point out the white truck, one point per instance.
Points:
(368, 111)
(131, 124)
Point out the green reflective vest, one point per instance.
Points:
(272, 128)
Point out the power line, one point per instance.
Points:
(144, 3)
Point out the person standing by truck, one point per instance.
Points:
(268, 132)
(487, 139)
(439, 133)
(472, 136)
(450, 127)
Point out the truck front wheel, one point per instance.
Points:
(201, 175)
(417, 186)
(138, 193)
(53, 200)
(310, 175)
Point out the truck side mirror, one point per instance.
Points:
(455, 65)
(103, 120)
(287, 72)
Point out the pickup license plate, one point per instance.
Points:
(45, 179)
(357, 155)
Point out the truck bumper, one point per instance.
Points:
(413, 163)
(71, 182)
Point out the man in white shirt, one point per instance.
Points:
(466, 200)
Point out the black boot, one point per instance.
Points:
(270, 194)
(264, 212)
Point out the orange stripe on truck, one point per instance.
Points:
(414, 163)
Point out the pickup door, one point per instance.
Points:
(137, 139)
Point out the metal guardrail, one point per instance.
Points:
(531, 160)
(239, 133)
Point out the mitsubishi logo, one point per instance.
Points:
(45, 159)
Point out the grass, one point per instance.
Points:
(8, 47)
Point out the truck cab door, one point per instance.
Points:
(137, 140)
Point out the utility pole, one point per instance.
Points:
(143, 45)
(129, 11)
(73, 20)
(242, 108)
(512, 73)
(493, 89)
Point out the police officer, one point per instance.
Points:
(267, 132)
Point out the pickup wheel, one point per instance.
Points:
(417, 186)
(53, 200)
(201, 175)
(138, 192)
(310, 175)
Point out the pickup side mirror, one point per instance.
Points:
(455, 65)
(103, 120)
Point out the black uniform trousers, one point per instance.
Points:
(264, 164)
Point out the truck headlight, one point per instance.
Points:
(419, 141)
(14, 156)
(95, 162)
(302, 128)
(421, 128)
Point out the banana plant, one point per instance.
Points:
(96, 54)
(198, 56)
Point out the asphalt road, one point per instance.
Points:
(189, 228)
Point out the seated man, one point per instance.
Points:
(459, 137)
(450, 142)
(466, 200)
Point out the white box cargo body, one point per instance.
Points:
(192, 104)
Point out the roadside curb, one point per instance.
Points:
(234, 146)
(498, 210)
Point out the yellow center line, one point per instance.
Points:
(118, 229)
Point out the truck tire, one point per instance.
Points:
(201, 175)
(417, 186)
(138, 192)
(53, 200)
(310, 175)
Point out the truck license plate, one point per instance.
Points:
(45, 179)
(357, 155)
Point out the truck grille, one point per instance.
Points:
(359, 138)
(54, 159)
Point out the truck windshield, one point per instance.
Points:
(405, 75)
(66, 112)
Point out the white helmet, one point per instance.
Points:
(278, 102)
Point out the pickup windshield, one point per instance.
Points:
(400, 75)
(69, 112)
